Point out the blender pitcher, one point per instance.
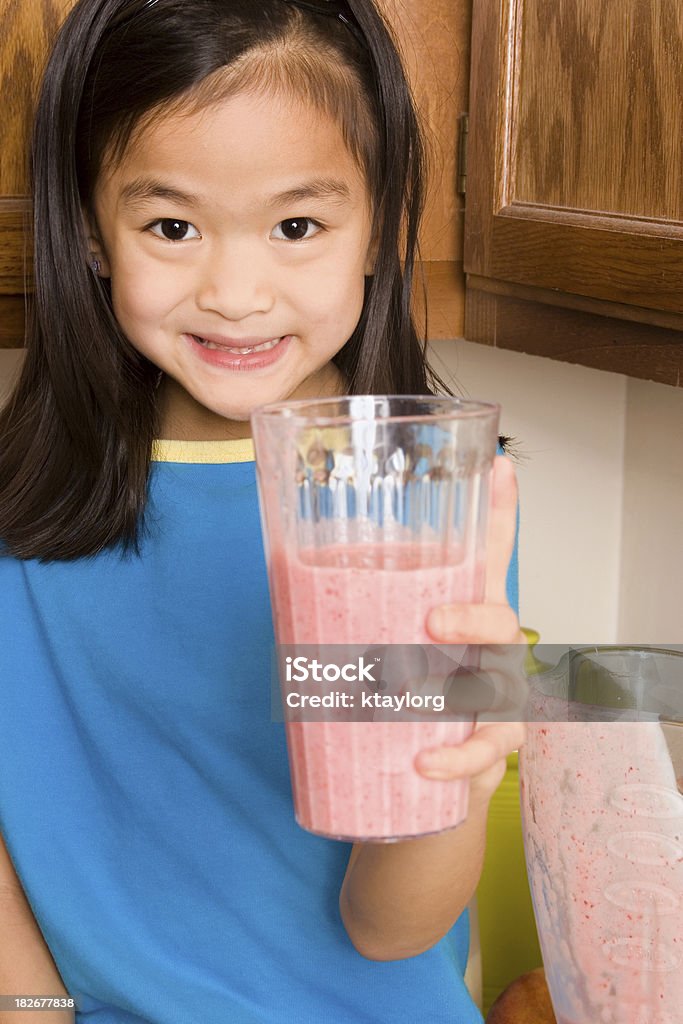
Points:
(602, 812)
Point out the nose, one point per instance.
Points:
(235, 280)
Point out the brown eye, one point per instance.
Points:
(174, 230)
(294, 229)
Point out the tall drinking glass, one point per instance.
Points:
(373, 511)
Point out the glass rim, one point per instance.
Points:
(600, 650)
(561, 674)
(455, 408)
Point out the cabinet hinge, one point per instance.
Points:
(463, 129)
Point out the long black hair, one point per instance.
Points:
(76, 435)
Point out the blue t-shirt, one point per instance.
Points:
(144, 789)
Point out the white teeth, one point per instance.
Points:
(265, 347)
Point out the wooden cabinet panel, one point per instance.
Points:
(605, 65)
(513, 318)
(578, 256)
(26, 29)
(434, 39)
(15, 228)
(576, 177)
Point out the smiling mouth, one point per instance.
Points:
(266, 346)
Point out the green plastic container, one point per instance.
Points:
(507, 930)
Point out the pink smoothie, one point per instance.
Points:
(603, 821)
(356, 779)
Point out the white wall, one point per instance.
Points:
(601, 491)
(568, 422)
(651, 605)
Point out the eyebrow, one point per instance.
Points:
(330, 189)
(143, 190)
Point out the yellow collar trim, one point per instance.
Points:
(203, 451)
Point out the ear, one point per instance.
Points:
(97, 257)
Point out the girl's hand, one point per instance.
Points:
(482, 757)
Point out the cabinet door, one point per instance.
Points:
(574, 208)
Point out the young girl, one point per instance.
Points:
(227, 195)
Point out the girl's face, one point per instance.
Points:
(237, 240)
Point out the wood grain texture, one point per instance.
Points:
(575, 181)
(440, 291)
(486, 78)
(26, 30)
(638, 314)
(434, 39)
(575, 336)
(599, 116)
(644, 270)
(12, 320)
(15, 246)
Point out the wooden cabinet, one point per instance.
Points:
(434, 38)
(569, 241)
(573, 217)
(25, 29)
(574, 210)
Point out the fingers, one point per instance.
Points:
(482, 756)
(488, 744)
(493, 684)
(493, 621)
(474, 624)
(502, 527)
